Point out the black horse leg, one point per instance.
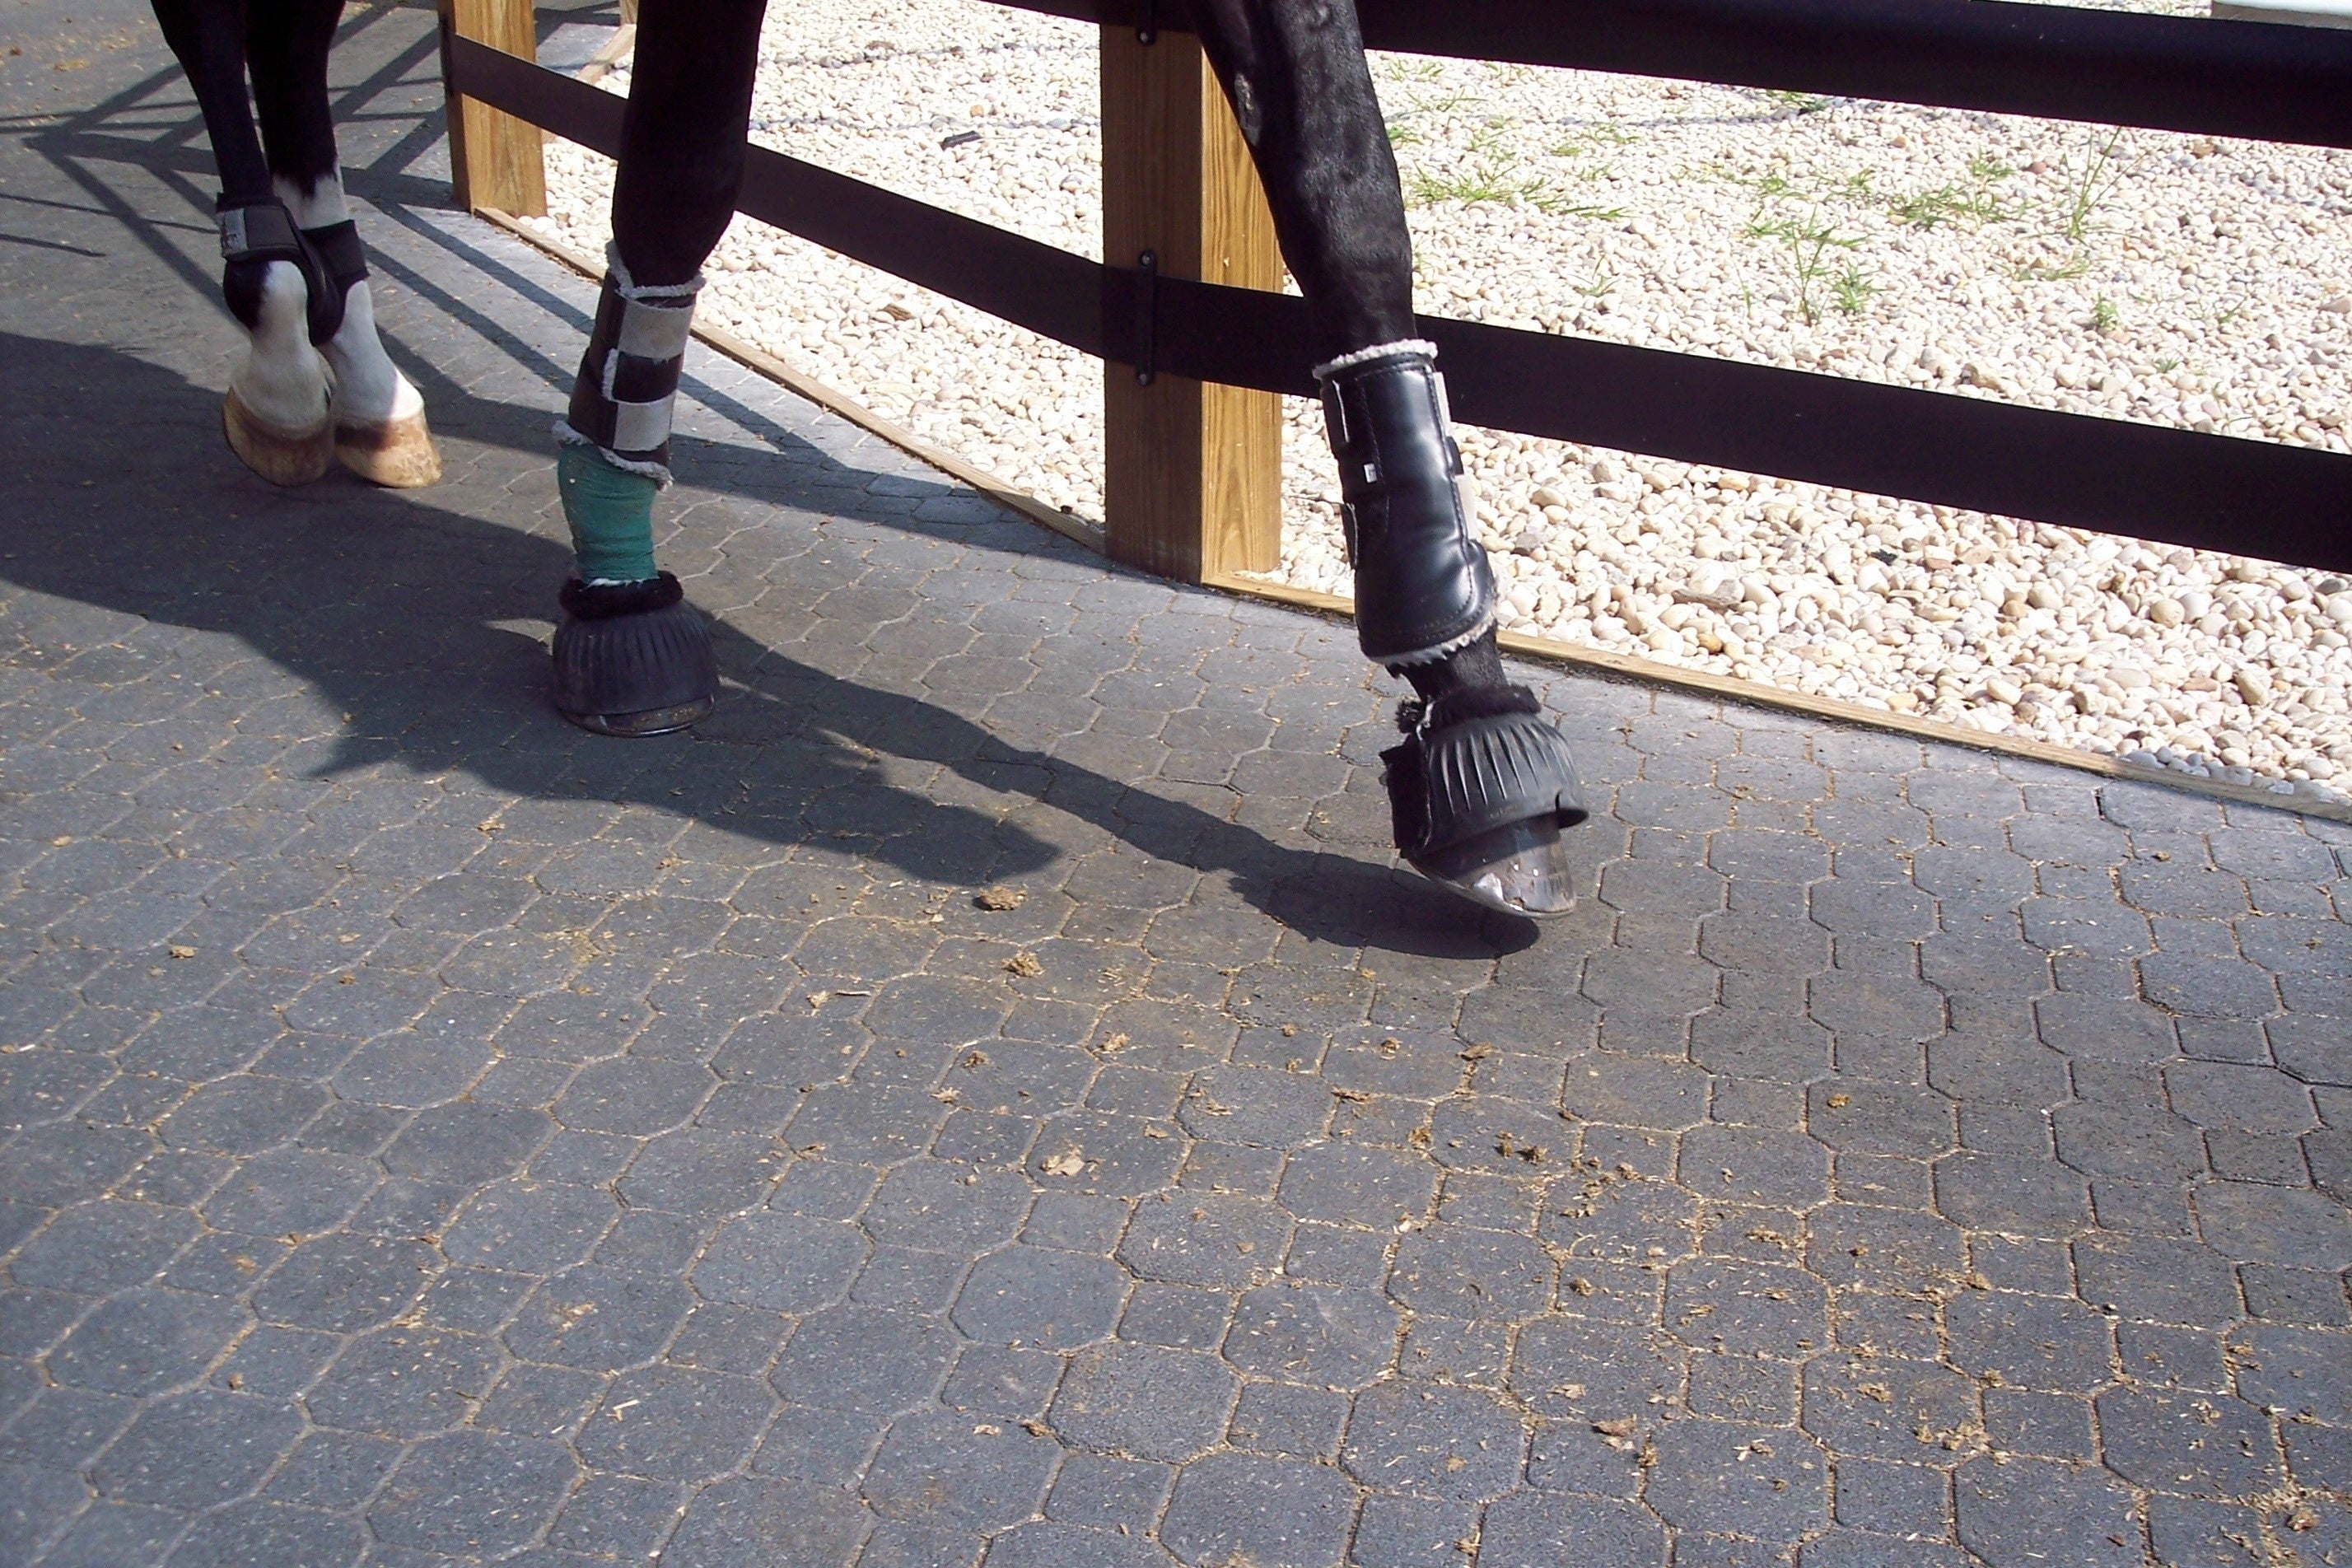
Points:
(1302, 95)
(286, 46)
(1482, 786)
(682, 140)
(630, 658)
(275, 412)
(380, 428)
(208, 36)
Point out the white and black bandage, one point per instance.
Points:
(627, 386)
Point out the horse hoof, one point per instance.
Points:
(637, 672)
(1480, 791)
(282, 456)
(1522, 870)
(397, 454)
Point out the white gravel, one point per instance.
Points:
(2140, 275)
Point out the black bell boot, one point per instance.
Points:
(254, 234)
(1482, 786)
(633, 658)
(1479, 794)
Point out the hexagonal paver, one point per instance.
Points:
(2028, 1511)
(1279, 1513)
(2190, 1442)
(1456, 1443)
(473, 1493)
(1144, 1401)
(1323, 1335)
(2030, 1342)
(1722, 1476)
(785, 1263)
(1031, 1296)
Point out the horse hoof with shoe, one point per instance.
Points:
(396, 453)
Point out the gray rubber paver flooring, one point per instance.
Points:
(429, 1134)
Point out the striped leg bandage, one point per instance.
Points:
(623, 398)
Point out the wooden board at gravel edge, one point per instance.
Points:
(495, 159)
(1192, 473)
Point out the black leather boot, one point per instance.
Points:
(1423, 586)
(1483, 784)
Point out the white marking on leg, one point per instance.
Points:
(282, 379)
(369, 389)
(317, 208)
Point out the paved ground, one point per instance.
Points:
(429, 1134)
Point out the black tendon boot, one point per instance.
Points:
(254, 234)
(1483, 784)
(632, 658)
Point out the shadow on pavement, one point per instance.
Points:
(390, 607)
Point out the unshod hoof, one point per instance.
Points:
(635, 660)
(398, 453)
(1480, 791)
(280, 455)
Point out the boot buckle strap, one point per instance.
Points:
(263, 228)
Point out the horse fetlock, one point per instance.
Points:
(282, 377)
(275, 415)
(610, 511)
(369, 389)
(632, 658)
(381, 433)
(1423, 585)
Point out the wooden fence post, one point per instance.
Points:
(495, 159)
(1192, 473)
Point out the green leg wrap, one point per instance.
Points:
(610, 511)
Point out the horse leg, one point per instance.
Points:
(630, 658)
(379, 419)
(275, 414)
(1483, 784)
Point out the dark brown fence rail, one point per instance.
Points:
(2214, 492)
(2255, 79)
